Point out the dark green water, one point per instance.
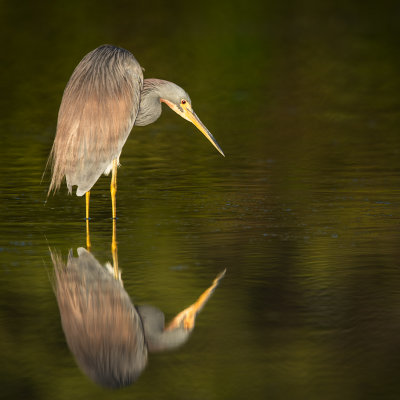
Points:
(303, 97)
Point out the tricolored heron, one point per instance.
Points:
(109, 336)
(104, 98)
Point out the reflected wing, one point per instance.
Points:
(97, 112)
(102, 327)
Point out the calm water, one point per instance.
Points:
(303, 212)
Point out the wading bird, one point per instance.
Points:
(109, 336)
(104, 98)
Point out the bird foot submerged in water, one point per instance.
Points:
(187, 317)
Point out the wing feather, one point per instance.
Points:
(97, 112)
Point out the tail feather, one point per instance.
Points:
(97, 112)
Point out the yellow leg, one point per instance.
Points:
(113, 188)
(114, 249)
(88, 244)
(188, 315)
(87, 204)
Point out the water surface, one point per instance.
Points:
(303, 211)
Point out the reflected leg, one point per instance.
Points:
(114, 250)
(188, 315)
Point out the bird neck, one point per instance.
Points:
(166, 340)
(150, 101)
(157, 338)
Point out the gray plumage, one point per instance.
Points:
(104, 98)
(157, 338)
(102, 328)
(97, 113)
(109, 337)
(150, 105)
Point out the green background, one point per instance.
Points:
(303, 97)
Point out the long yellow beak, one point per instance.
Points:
(187, 112)
(195, 120)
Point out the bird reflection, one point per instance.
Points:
(108, 335)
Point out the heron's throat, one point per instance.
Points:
(150, 105)
(157, 338)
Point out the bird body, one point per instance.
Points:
(102, 327)
(97, 112)
(104, 98)
(109, 336)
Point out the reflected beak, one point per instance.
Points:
(187, 317)
(187, 113)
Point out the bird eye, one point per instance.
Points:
(183, 101)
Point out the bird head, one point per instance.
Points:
(179, 101)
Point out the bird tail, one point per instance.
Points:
(56, 174)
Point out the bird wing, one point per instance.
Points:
(102, 327)
(97, 112)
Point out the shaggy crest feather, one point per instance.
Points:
(101, 325)
(97, 112)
